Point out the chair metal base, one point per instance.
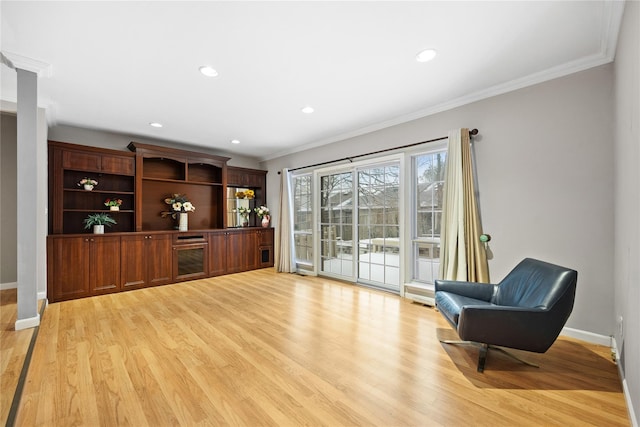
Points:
(482, 357)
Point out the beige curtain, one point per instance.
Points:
(462, 255)
(284, 257)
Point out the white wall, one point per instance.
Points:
(119, 141)
(627, 201)
(8, 191)
(545, 172)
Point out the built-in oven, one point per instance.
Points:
(190, 256)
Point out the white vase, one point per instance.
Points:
(114, 208)
(183, 225)
(265, 221)
(88, 187)
(98, 229)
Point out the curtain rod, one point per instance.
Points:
(472, 132)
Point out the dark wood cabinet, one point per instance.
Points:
(144, 248)
(238, 250)
(144, 260)
(82, 266)
(265, 248)
(70, 203)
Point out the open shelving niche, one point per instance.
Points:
(78, 202)
(165, 172)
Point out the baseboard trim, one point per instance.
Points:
(589, 337)
(625, 387)
(42, 295)
(8, 285)
(31, 322)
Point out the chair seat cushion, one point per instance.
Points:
(450, 305)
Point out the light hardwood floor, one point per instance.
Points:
(261, 348)
(13, 348)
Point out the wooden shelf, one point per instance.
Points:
(181, 181)
(80, 190)
(100, 210)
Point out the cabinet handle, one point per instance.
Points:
(151, 237)
(86, 240)
(92, 240)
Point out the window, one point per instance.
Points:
(303, 220)
(428, 184)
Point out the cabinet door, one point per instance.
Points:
(265, 247)
(132, 256)
(104, 271)
(69, 261)
(158, 259)
(250, 249)
(217, 253)
(235, 250)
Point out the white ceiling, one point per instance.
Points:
(118, 66)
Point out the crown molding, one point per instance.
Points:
(612, 20)
(611, 23)
(15, 61)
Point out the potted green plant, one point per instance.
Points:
(98, 221)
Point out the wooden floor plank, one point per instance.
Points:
(261, 348)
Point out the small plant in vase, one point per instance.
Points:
(263, 213)
(113, 204)
(87, 183)
(244, 213)
(98, 221)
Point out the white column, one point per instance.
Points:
(27, 203)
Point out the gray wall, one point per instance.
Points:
(8, 193)
(627, 201)
(545, 172)
(119, 141)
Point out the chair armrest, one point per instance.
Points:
(479, 291)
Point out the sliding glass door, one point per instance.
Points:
(365, 247)
(336, 225)
(379, 226)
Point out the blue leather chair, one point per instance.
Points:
(526, 310)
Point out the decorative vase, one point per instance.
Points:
(265, 221)
(114, 208)
(245, 223)
(88, 187)
(183, 225)
(98, 229)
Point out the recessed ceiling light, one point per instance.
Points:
(235, 141)
(426, 55)
(208, 71)
(307, 110)
(155, 124)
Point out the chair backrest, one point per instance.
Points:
(535, 284)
